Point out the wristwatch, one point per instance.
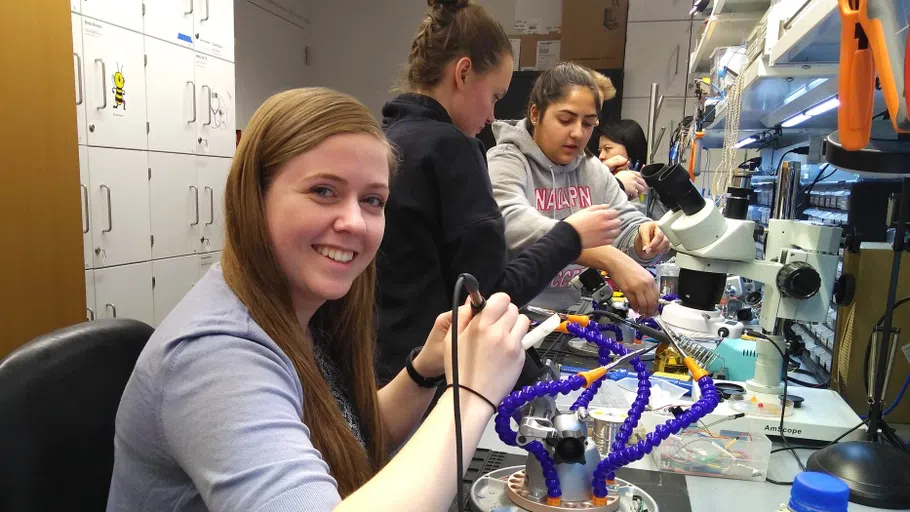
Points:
(420, 380)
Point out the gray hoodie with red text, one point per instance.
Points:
(534, 194)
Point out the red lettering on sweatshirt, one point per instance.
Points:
(548, 199)
(565, 277)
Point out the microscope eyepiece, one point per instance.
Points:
(674, 189)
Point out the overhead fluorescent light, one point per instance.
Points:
(745, 142)
(821, 108)
(795, 120)
(804, 89)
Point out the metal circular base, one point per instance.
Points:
(519, 494)
(878, 157)
(505, 490)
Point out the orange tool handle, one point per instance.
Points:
(882, 20)
(697, 371)
(579, 319)
(856, 81)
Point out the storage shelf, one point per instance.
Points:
(720, 31)
(738, 6)
(769, 98)
(813, 37)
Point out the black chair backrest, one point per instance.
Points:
(59, 396)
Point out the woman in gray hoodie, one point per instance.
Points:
(541, 173)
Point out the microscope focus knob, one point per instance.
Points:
(798, 280)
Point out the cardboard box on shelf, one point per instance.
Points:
(594, 32)
(538, 51)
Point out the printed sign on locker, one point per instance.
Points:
(114, 71)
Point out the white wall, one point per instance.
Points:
(361, 47)
(271, 40)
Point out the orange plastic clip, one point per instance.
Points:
(697, 371)
(856, 81)
(598, 502)
(870, 46)
(554, 502)
(592, 376)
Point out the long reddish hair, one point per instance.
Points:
(286, 125)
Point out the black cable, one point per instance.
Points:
(808, 188)
(808, 384)
(456, 398)
(783, 403)
(780, 162)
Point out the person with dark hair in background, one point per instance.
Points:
(441, 218)
(624, 139)
(541, 173)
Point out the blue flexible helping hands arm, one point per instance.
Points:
(620, 454)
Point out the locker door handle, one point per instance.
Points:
(196, 194)
(103, 84)
(207, 11)
(113, 308)
(192, 4)
(208, 107)
(110, 207)
(192, 83)
(91, 314)
(80, 98)
(211, 206)
(85, 222)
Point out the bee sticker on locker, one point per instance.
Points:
(118, 91)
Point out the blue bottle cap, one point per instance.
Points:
(818, 492)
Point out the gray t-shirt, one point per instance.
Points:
(211, 417)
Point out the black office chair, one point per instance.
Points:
(59, 396)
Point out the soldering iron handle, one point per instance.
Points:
(473, 287)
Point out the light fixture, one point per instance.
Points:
(795, 120)
(821, 108)
(745, 142)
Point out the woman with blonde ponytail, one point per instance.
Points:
(258, 392)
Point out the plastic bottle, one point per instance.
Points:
(817, 492)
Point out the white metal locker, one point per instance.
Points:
(175, 201)
(114, 72)
(170, 20)
(206, 261)
(85, 200)
(172, 279)
(214, 27)
(123, 13)
(215, 98)
(656, 52)
(171, 92)
(78, 58)
(120, 206)
(125, 292)
(213, 174)
(89, 294)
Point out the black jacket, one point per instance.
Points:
(442, 220)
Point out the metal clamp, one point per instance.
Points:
(103, 84)
(81, 96)
(91, 314)
(85, 213)
(208, 105)
(196, 194)
(532, 428)
(211, 206)
(110, 208)
(113, 309)
(192, 5)
(190, 82)
(208, 11)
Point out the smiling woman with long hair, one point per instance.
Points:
(257, 392)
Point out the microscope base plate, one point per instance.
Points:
(495, 491)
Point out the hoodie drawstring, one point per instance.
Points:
(553, 188)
